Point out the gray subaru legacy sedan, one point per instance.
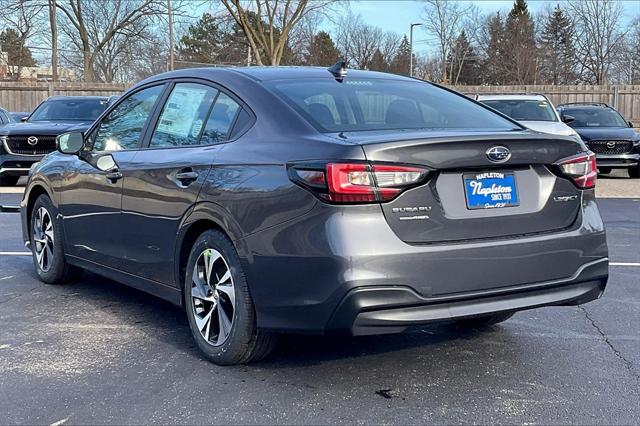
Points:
(313, 200)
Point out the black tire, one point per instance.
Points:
(6, 180)
(634, 172)
(604, 170)
(57, 270)
(244, 342)
(484, 321)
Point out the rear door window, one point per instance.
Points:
(183, 116)
(222, 117)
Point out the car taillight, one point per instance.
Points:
(581, 168)
(350, 183)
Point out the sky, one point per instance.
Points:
(397, 15)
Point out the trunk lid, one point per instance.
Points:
(442, 209)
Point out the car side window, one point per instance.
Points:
(243, 122)
(183, 116)
(122, 127)
(222, 116)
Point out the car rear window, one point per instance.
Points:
(379, 104)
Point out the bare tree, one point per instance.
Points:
(365, 42)
(302, 35)
(444, 20)
(23, 17)
(267, 24)
(389, 45)
(93, 24)
(462, 48)
(359, 42)
(426, 67)
(345, 29)
(598, 36)
(625, 68)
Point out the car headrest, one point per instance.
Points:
(321, 113)
(402, 112)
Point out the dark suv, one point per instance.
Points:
(22, 144)
(613, 140)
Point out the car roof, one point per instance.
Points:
(511, 97)
(585, 105)
(59, 97)
(260, 73)
(279, 73)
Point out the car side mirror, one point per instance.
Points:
(568, 119)
(630, 123)
(70, 143)
(24, 119)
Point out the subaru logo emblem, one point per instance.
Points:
(498, 154)
(32, 140)
(611, 144)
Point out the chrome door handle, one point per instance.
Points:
(187, 177)
(114, 176)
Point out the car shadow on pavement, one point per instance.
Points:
(168, 324)
(300, 350)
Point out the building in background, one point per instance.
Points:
(23, 73)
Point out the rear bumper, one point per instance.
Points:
(621, 161)
(304, 272)
(371, 310)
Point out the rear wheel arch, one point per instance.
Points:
(187, 238)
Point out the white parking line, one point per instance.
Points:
(624, 264)
(60, 422)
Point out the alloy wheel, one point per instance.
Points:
(43, 238)
(213, 297)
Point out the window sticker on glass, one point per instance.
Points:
(180, 110)
(197, 127)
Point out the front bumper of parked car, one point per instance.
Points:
(17, 165)
(617, 160)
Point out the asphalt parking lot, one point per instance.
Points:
(98, 352)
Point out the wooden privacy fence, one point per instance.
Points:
(624, 98)
(25, 96)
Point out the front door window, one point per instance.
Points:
(122, 127)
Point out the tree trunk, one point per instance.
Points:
(53, 22)
(86, 61)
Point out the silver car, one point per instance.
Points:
(533, 111)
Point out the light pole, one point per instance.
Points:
(411, 48)
(170, 19)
